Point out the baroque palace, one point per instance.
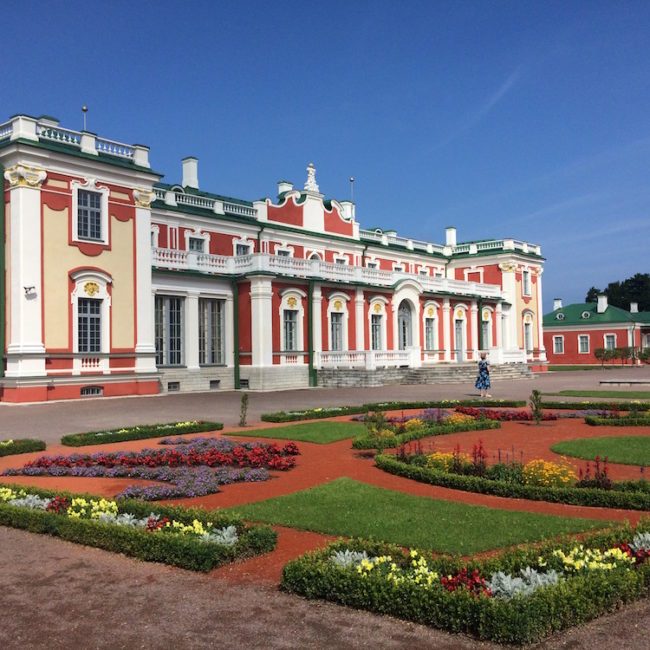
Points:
(116, 283)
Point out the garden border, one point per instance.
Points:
(21, 446)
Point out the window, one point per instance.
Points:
(89, 215)
(485, 334)
(196, 244)
(376, 332)
(583, 344)
(242, 249)
(283, 252)
(423, 271)
(528, 336)
(290, 329)
(610, 341)
(525, 279)
(211, 331)
(336, 330)
(558, 345)
(341, 260)
(398, 267)
(372, 264)
(90, 325)
(430, 334)
(169, 330)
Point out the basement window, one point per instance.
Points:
(92, 391)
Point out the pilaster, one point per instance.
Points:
(359, 336)
(262, 320)
(473, 326)
(316, 319)
(446, 329)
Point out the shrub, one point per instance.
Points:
(138, 433)
(243, 410)
(601, 406)
(544, 473)
(20, 446)
(634, 421)
(536, 406)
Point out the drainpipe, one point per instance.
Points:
(235, 333)
(313, 377)
(3, 275)
(259, 239)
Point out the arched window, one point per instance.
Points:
(404, 325)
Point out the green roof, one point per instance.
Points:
(208, 195)
(585, 313)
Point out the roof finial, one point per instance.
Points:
(311, 185)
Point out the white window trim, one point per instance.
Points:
(526, 272)
(340, 258)
(435, 316)
(424, 271)
(155, 235)
(588, 344)
(401, 269)
(197, 234)
(605, 340)
(82, 280)
(489, 321)
(343, 298)
(310, 253)
(528, 318)
(474, 269)
(382, 302)
(463, 308)
(285, 248)
(287, 296)
(372, 263)
(90, 185)
(242, 242)
(558, 337)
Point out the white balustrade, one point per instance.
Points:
(114, 148)
(56, 134)
(6, 130)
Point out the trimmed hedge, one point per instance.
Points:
(604, 406)
(520, 620)
(137, 433)
(178, 550)
(316, 414)
(624, 498)
(369, 441)
(21, 446)
(596, 421)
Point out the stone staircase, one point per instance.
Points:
(456, 373)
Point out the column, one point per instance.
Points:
(539, 315)
(145, 347)
(359, 335)
(25, 348)
(473, 326)
(316, 319)
(446, 333)
(498, 318)
(262, 319)
(509, 285)
(191, 332)
(229, 352)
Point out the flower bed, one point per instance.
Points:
(187, 538)
(317, 413)
(198, 467)
(20, 446)
(388, 438)
(617, 421)
(518, 597)
(138, 433)
(507, 480)
(502, 416)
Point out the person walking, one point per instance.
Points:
(483, 379)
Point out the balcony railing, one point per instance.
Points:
(167, 258)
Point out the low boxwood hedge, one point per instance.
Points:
(626, 498)
(20, 446)
(369, 441)
(319, 413)
(519, 620)
(140, 432)
(178, 550)
(602, 406)
(596, 421)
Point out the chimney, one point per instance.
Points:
(557, 304)
(602, 303)
(191, 172)
(284, 186)
(450, 236)
(634, 308)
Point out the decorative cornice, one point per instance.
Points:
(143, 198)
(508, 267)
(22, 176)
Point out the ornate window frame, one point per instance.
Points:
(197, 233)
(292, 300)
(558, 342)
(338, 304)
(90, 185)
(430, 310)
(377, 307)
(242, 241)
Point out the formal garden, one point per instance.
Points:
(508, 520)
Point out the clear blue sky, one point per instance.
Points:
(506, 119)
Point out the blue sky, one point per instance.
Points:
(505, 119)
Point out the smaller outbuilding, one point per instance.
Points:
(596, 332)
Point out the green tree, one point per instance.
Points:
(621, 294)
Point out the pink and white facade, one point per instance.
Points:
(116, 283)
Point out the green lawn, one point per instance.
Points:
(321, 433)
(629, 450)
(352, 509)
(570, 368)
(608, 394)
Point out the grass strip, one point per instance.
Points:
(352, 509)
(20, 446)
(605, 394)
(321, 433)
(628, 450)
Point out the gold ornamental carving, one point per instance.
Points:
(430, 311)
(23, 176)
(486, 314)
(91, 288)
(377, 308)
(292, 302)
(143, 198)
(508, 267)
(338, 305)
(460, 314)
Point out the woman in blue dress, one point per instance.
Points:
(483, 379)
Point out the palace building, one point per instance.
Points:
(116, 283)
